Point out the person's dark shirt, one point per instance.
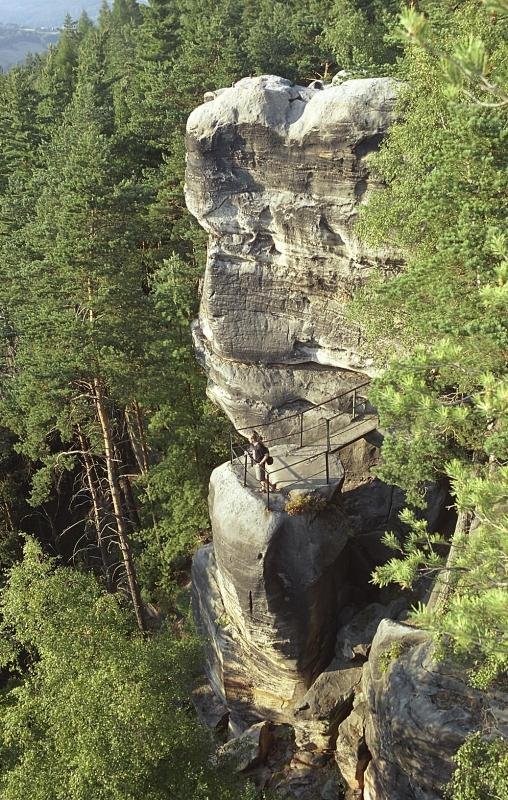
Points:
(257, 451)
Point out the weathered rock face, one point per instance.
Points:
(418, 714)
(249, 749)
(276, 174)
(267, 597)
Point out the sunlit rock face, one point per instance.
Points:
(266, 597)
(276, 174)
(419, 711)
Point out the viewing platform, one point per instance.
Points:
(314, 467)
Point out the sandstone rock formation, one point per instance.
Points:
(249, 749)
(266, 594)
(276, 174)
(416, 712)
(295, 632)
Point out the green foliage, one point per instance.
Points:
(100, 269)
(468, 66)
(482, 769)
(13, 507)
(417, 549)
(359, 35)
(390, 655)
(443, 400)
(102, 712)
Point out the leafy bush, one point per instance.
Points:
(102, 711)
(482, 770)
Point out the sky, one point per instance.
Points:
(44, 13)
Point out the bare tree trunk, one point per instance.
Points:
(134, 440)
(140, 448)
(8, 516)
(114, 485)
(443, 587)
(125, 456)
(96, 508)
(127, 493)
(142, 437)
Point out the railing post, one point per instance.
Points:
(301, 430)
(327, 433)
(354, 403)
(245, 471)
(231, 447)
(327, 469)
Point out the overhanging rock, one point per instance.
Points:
(276, 173)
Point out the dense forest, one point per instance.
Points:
(107, 438)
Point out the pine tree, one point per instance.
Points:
(20, 132)
(86, 332)
(150, 97)
(360, 35)
(57, 77)
(84, 26)
(444, 400)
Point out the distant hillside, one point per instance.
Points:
(16, 43)
(44, 14)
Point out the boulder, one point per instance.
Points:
(249, 749)
(276, 174)
(355, 638)
(306, 783)
(420, 711)
(330, 697)
(321, 710)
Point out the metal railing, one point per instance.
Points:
(300, 415)
(239, 451)
(269, 475)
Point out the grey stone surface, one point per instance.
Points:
(355, 638)
(308, 783)
(211, 712)
(419, 713)
(269, 397)
(327, 703)
(351, 752)
(224, 656)
(331, 695)
(276, 579)
(276, 174)
(250, 748)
